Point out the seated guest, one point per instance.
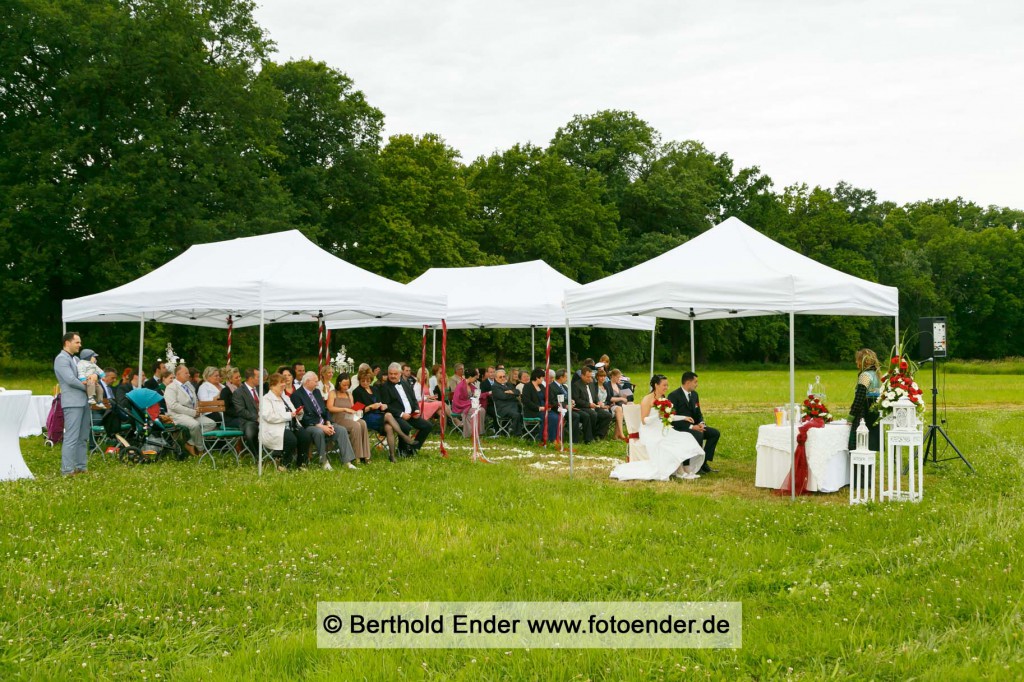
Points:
(402, 404)
(617, 397)
(524, 380)
(594, 417)
(589, 362)
(325, 382)
(376, 414)
(298, 370)
(129, 382)
(559, 394)
(245, 403)
(276, 414)
(407, 374)
(286, 372)
(153, 383)
(196, 379)
(421, 389)
(437, 381)
(183, 408)
(233, 379)
(210, 389)
(462, 402)
(505, 399)
(340, 404)
(486, 379)
(460, 374)
(316, 422)
(533, 405)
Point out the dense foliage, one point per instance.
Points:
(131, 130)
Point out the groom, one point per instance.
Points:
(686, 403)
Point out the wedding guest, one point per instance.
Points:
(317, 425)
(289, 379)
(276, 413)
(456, 379)
(524, 380)
(129, 382)
(437, 380)
(376, 414)
(196, 379)
(402, 404)
(298, 370)
(325, 383)
(407, 374)
(75, 404)
(690, 419)
(340, 404)
(560, 395)
(245, 402)
(210, 389)
(506, 401)
(183, 408)
(869, 387)
(594, 417)
(533, 404)
(153, 382)
(232, 381)
(462, 402)
(618, 396)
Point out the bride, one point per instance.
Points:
(671, 452)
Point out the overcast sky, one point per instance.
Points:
(915, 100)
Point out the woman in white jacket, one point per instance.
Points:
(276, 413)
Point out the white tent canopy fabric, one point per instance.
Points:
(732, 270)
(209, 282)
(515, 296)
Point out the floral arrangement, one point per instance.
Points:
(899, 382)
(815, 409)
(172, 360)
(342, 363)
(665, 412)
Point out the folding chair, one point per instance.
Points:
(455, 421)
(503, 425)
(533, 427)
(219, 439)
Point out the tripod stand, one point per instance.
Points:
(931, 443)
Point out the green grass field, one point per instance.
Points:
(178, 571)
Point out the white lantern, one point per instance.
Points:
(902, 439)
(862, 469)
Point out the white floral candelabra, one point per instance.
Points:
(901, 435)
(172, 360)
(343, 363)
(862, 468)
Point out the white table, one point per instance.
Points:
(828, 457)
(34, 420)
(13, 405)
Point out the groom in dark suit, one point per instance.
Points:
(686, 404)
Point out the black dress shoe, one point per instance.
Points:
(705, 469)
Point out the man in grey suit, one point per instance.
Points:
(74, 452)
(183, 406)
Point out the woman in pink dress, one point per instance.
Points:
(462, 403)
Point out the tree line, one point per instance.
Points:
(132, 129)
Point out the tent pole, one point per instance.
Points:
(693, 349)
(533, 352)
(568, 404)
(897, 320)
(792, 401)
(259, 446)
(652, 347)
(433, 348)
(142, 333)
(63, 327)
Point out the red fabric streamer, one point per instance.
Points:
(800, 465)
(443, 383)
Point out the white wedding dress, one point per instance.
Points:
(667, 449)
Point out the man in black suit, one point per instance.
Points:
(401, 402)
(246, 402)
(593, 415)
(505, 398)
(153, 382)
(686, 403)
(560, 387)
(316, 422)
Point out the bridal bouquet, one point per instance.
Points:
(665, 412)
(815, 409)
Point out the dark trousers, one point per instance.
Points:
(250, 434)
(709, 439)
(422, 426)
(511, 411)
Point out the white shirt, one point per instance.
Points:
(208, 391)
(405, 398)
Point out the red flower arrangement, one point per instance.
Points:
(815, 409)
(899, 382)
(665, 411)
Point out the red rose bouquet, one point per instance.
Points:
(665, 411)
(815, 409)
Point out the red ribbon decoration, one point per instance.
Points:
(800, 465)
(231, 325)
(443, 382)
(547, 389)
(320, 358)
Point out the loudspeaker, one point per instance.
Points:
(932, 338)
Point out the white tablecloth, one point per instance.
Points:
(34, 420)
(828, 459)
(13, 405)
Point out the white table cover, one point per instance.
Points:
(13, 405)
(828, 457)
(35, 416)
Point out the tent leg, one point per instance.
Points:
(652, 349)
(792, 401)
(568, 368)
(897, 322)
(693, 349)
(433, 348)
(533, 352)
(259, 446)
(142, 334)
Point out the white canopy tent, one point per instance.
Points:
(732, 270)
(280, 277)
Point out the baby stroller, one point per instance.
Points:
(55, 423)
(149, 438)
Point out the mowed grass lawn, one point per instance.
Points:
(178, 571)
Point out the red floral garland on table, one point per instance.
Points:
(815, 409)
(665, 412)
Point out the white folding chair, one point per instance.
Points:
(635, 450)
